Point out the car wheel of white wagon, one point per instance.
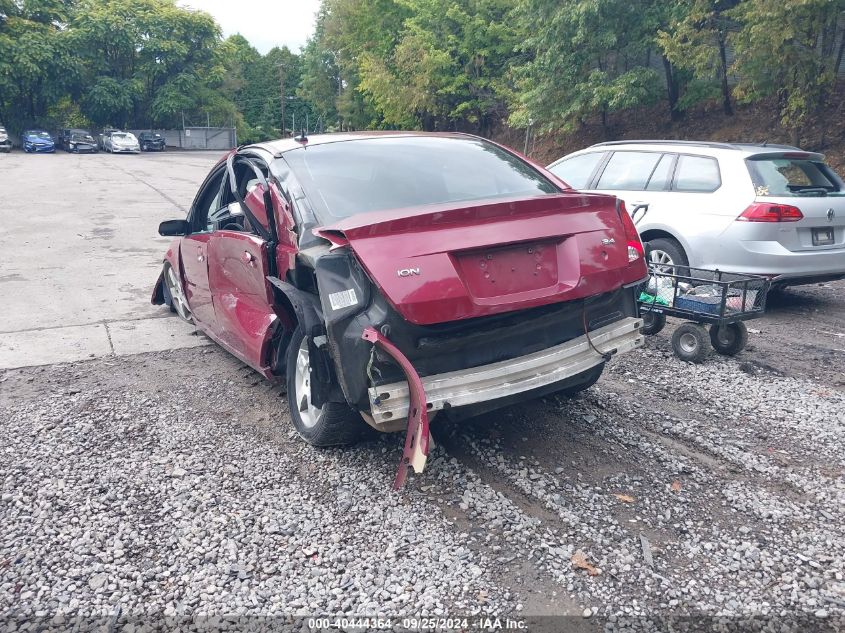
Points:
(663, 254)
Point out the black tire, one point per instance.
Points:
(336, 424)
(669, 247)
(653, 322)
(730, 339)
(586, 380)
(691, 343)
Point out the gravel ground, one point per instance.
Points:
(173, 485)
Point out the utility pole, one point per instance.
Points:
(282, 93)
(527, 135)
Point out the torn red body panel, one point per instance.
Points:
(417, 437)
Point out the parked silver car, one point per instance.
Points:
(122, 142)
(5, 141)
(771, 210)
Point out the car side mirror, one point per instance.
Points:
(174, 228)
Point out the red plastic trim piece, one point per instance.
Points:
(417, 436)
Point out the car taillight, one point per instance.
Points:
(770, 212)
(635, 245)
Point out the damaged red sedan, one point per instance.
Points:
(388, 277)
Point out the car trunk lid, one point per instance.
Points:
(441, 263)
(802, 181)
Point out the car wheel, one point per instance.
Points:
(691, 343)
(729, 339)
(332, 424)
(653, 322)
(586, 379)
(174, 294)
(664, 254)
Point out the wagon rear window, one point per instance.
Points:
(791, 177)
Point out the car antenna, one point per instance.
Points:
(302, 138)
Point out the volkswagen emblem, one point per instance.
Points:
(830, 215)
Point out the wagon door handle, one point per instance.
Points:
(248, 258)
(200, 256)
(639, 206)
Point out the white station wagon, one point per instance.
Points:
(770, 210)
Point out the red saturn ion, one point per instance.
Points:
(388, 277)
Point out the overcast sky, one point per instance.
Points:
(265, 23)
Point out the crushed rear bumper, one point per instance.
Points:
(507, 378)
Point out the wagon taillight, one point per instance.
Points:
(770, 212)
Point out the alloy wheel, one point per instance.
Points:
(308, 413)
(661, 261)
(177, 296)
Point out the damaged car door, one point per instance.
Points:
(194, 249)
(239, 263)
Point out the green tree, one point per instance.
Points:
(449, 69)
(787, 48)
(586, 57)
(348, 32)
(148, 62)
(37, 63)
(697, 40)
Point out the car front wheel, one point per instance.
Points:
(174, 294)
(333, 423)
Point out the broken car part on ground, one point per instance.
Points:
(388, 277)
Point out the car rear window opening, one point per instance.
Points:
(787, 176)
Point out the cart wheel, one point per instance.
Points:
(729, 339)
(690, 343)
(653, 322)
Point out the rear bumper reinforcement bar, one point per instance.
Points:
(501, 379)
(417, 437)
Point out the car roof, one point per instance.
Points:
(279, 147)
(745, 149)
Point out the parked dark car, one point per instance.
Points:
(5, 141)
(81, 143)
(76, 140)
(37, 141)
(151, 142)
(388, 277)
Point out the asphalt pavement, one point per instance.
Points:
(80, 252)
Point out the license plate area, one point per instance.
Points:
(823, 236)
(500, 271)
